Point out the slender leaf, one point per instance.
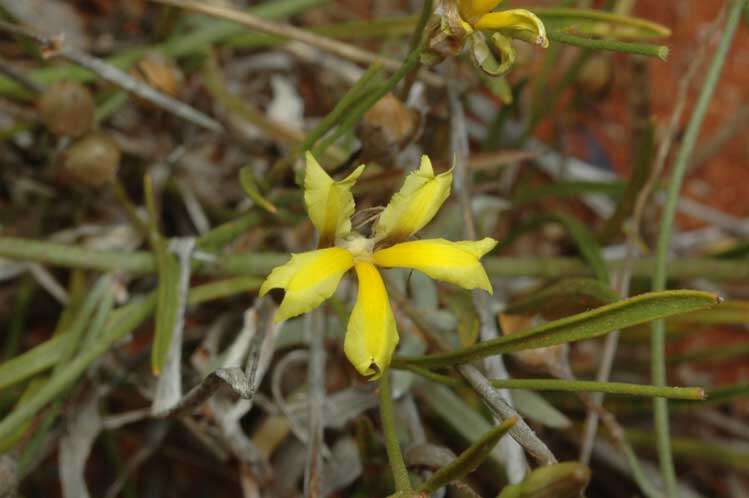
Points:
(167, 298)
(249, 185)
(728, 313)
(600, 23)
(468, 460)
(457, 415)
(594, 323)
(33, 361)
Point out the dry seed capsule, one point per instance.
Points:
(66, 108)
(91, 161)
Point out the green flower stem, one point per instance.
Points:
(646, 49)
(397, 465)
(563, 385)
(687, 393)
(658, 344)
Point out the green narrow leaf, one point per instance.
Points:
(249, 185)
(33, 361)
(623, 314)
(9, 439)
(167, 304)
(600, 23)
(167, 293)
(468, 460)
(728, 313)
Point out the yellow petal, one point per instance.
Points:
(329, 203)
(515, 20)
(309, 278)
(371, 335)
(415, 204)
(471, 10)
(454, 262)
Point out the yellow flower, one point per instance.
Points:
(489, 34)
(478, 14)
(309, 278)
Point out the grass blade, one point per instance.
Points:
(468, 460)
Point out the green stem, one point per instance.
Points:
(563, 385)
(397, 465)
(688, 393)
(658, 338)
(647, 49)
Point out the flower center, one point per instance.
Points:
(359, 246)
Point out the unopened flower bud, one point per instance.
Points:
(66, 108)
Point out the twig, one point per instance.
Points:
(233, 378)
(290, 32)
(521, 431)
(658, 342)
(56, 47)
(242, 383)
(315, 325)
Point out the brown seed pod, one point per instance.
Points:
(91, 161)
(66, 108)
